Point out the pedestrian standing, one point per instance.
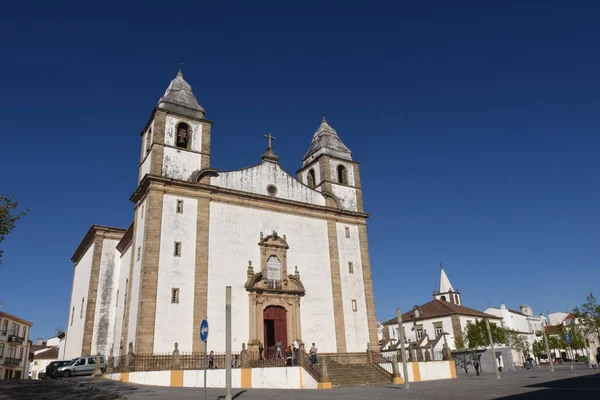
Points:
(288, 356)
(211, 360)
(279, 350)
(261, 349)
(296, 350)
(313, 354)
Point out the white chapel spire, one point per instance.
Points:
(445, 285)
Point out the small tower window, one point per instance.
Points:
(456, 299)
(148, 138)
(351, 267)
(183, 136)
(81, 311)
(443, 298)
(354, 306)
(177, 249)
(342, 174)
(310, 178)
(175, 295)
(347, 232)
(179, 206)
(139, 253)
(72, 315)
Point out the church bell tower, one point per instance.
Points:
(328, 167)
(176, 139)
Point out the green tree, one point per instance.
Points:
(8, 217)
(539, 350)
(589, 316)
(475, 335)
(517, 342)
(576, 337)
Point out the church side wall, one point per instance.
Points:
(135, 278)
(124, 266)
(257, 178)
(356, 325)
(174, 321)
(81, 283)
(104, 318)
(346, 195)
(233, 241)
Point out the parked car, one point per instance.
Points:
(82, 366)
(52, 369)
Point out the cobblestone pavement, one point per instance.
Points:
(48, 389)
(520, 385)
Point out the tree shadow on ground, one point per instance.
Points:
(587, 386)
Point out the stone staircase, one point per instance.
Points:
(356, 374)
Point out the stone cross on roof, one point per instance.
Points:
(270, 138)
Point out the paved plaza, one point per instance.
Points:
(520, 385)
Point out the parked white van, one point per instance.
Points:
(82, 366)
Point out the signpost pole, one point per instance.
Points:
(205, 355)
(546, 343)
(228, 343)
(204, 338)
(487, 325)
(401, 338)
(568, 337)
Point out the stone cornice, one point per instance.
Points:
(107, 232)
(226, 195)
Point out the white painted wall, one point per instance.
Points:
(145, 168)
(140, 221)
(174, 321)
(256, 179)
(154, 378)
(124, 267)
(215, 378)
(273, 378)
(353, 287)
(81, 284)
(104, 318)
(346, 195)
(434, 370)
(179, 164)
(557, 318)
(234, 235)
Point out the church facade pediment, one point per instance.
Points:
(269, 179)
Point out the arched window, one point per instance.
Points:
(273, 269)
(183, 136)
(342, 174)
(443, 298)
(148, 137)
(456, 299)
(311, 178)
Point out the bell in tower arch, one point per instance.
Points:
(183, 137)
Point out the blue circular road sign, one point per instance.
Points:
(204, 330)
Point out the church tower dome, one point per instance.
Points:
(326, 141)
(179, 98)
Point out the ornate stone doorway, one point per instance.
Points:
(275, 329)
(274, 297)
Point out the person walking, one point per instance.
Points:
(296, 350)
(261, 349)
(211, 360)
(288, 356)
(313, 354)
(279, 350)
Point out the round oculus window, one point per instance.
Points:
(272, 190)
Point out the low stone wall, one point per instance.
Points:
(241, 378)
(427, 371)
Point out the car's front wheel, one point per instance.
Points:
(66, 374)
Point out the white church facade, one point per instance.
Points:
(293, 249)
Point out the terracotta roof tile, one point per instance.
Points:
(440, 308)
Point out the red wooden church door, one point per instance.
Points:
(275, 321)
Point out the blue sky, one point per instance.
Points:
(476, 125)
